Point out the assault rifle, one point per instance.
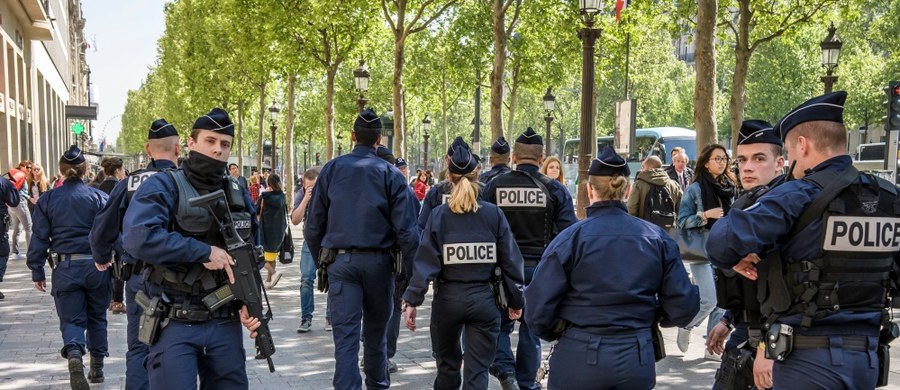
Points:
(247, 285)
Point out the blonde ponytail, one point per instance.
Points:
(464, 197)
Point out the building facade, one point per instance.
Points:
(42, 69)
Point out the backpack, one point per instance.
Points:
(659, 208)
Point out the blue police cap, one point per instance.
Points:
(367, 121)
(161, 129)
(457, 142)
(73, 156)
(500, 146)
(216, 120)
(529, 137)
(757, 132)
(461, 161)
(384, 153)
(828, 107)
(401, 163)
(609, 163)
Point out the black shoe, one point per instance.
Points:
(2, 297)
(508, 381)
(76, 371)
(95, 375)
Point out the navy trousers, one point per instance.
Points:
(582, 360)
(82, 295)
(135, 373)
(828, 368)
(213, 349)
(528, 351)
(360, 288)
(4, 244)
(464, 309)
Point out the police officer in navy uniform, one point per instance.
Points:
(163, 147)
(499, 159)
(360, 210)
(823, 289)
(184, 261)
(462, 244)
(9, 196)
(600, 285)
(62, 221)
(537, 208)
(440, 192)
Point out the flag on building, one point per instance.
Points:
(620, 6)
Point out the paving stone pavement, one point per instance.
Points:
(30, 343)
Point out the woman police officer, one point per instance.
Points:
(603, 281)
(462, 244)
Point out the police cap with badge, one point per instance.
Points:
(756, 131)
(216, 120)
(160, 128)
(400, 163)
(367, 122)
(457, 142)
(73, 156)
(500, 147)
(828, 107)
(609, 163)
(529, 137)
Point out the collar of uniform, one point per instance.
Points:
(363, 149)
(527, 168)
(837, 162)
(161, 164)
(72, 181)
(498, 166)
(606, 207)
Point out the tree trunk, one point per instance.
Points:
(742, 55)
(444, 109)
(262, 118)
(705, 81)
(397, 95)
(513, 98)
(498, 27)
(289, 139)
(240, 135)
(329, 112)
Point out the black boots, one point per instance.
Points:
(95, 375)
(76, 371)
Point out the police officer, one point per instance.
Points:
(537, 208)
(760, 165)
(826, 240)
(440, 192)
(185, 261)
(462, 244)
(499, 159)
(361, 208)
(602, 282)
(62, 221)
(9, 196)
(163, 148)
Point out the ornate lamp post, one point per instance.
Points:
(426, 125)
(549, 106)
(361, 80)
(831, 50)
(273, 119)
(588, 35)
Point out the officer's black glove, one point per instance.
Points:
(322, 279)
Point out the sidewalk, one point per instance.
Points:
(30, 343)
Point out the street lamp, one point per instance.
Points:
(273, 119)
(831, 50)
(340, 139)
(549, 106)
(426, 125)
(361, 80)
(588, 35)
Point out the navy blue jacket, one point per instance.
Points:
(497, 169)
(610, 270)
(765, 226)
(106, 233)
(361, 202)
(62, 221)
(146, 227)
(488, 227)
(9, 196)
(433, 199)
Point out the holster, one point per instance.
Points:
(153, 319)
(889, 333)
(326, 258)
(736, 371)
(52, 259)
(499, 288)
(779, 342)
(397, 256)
(659, 345)
(400, 285)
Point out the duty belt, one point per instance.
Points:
(368, 251)
(77, 256)
(853, 343)
(194, 313)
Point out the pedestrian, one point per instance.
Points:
(273, 223)
(113, 172)
(678, 170)
(185, 261)
(421, 185)
(652, 176)
(163, 147)
(826, 292)
(499, 159)
(63, 220)
(307, 263)
(465, 240)
(37, 184)
(760, 164)
(9, 196)
(254, 188)
(235, 173)
(20, 215)
(537, 208)
(360, 209)
(602, 283)
(552, 168)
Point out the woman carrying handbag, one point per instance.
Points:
(273, 223)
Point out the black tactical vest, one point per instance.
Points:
(529, 207)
